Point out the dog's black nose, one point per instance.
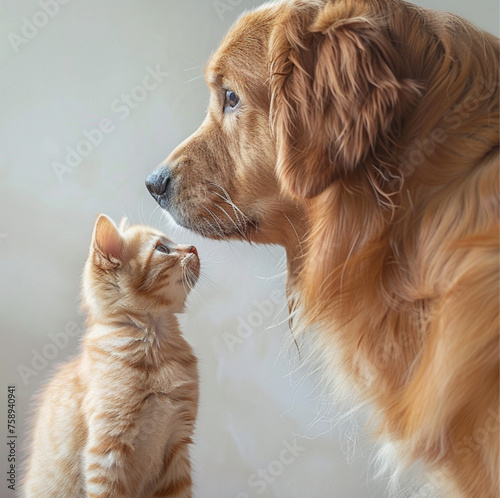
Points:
(158, 181)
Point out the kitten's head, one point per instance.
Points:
(138, 269)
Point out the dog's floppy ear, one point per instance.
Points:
(336, 99)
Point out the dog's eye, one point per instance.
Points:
(162, 248)
(231, 100)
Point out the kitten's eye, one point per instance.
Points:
(231, 101)
(161, 248)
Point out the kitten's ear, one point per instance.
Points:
(123, 224)
(107, 242)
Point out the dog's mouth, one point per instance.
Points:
(207, 210)
(215, 222)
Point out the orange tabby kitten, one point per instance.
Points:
(117, 421)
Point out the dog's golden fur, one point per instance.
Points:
(366, 143)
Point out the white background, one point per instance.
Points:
(62, 81)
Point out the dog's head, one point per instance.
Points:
(301, 93)
(220, 182)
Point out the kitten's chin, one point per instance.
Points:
(194, 268)
(191, 277)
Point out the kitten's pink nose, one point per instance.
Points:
(192, 249)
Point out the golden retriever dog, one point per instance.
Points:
(363, 136)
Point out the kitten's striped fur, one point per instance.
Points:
(117, 421)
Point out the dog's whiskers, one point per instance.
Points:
(237, 226)
(216, 230)
(228, 199)
(242, 222)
